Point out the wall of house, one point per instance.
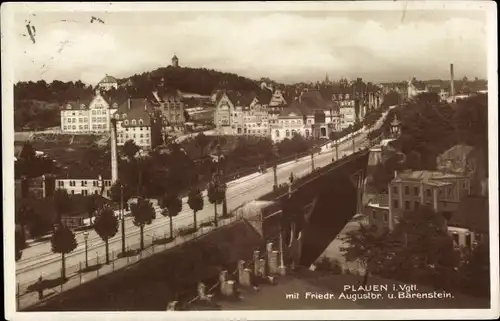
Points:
(84, 186)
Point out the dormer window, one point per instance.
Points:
(125, 122)
(82, 106)
(346, 96)
(133, 122)
(68, 106)
(124, 116)
(117, 116)
(140, 122)
(115, 105)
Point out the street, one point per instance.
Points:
(38, 259)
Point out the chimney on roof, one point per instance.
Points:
(129, 104)
(452, 81)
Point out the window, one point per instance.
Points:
(395, 190)
(407, 205)
(125, 122)
(375, 216)
(60, 183)
(277, 132)
(468, 240)
(416, 205)
(455, 238)
(385, 217)
(287, 133)
(395, 203)
(85, 192)
(140, 122)
(93, 119)
(428, 192)
(72, 192)
(407, 190)
(94, 183)
(133, 122)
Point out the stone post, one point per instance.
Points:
(222, 280)
(273, 262)
(262, 268)
(229, 288)
(201, 291)
(256, 255)
(246, 278)
(269, 251)
(241, 268)
(172, 306)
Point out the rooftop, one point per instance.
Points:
(138, 109)
(108, 80)
(428, 177)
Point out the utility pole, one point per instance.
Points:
(122, 214)
(312, 160)
(275, 167)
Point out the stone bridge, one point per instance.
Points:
(327, 201)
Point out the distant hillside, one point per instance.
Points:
(193, 80)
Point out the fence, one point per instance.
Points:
(27, 294)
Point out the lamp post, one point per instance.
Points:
(312, 160)
(86, 237)
(122, 218)
(275, 167)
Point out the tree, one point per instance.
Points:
(201, 141)
(195, 202)
(216, 195)
(130, 149)
(63, 241)
(367, 246)
(92, 204)
(144, 214)
(106, 226)
(117, 196)
(475, 270)
(27, 153)
(421, 250)
(172, 206)
(62, 203)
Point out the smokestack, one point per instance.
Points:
(452, 81)
(129, 104)
(114, 155)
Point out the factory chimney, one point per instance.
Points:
(114, 154)
(452, 81)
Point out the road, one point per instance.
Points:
(38, 259)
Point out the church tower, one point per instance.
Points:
(175, 61)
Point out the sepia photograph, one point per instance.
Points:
(252, 160)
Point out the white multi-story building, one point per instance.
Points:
(308, 116)
(90, 115)
(85, 186)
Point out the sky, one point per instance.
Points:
(286, 46)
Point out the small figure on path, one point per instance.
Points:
(40, 288)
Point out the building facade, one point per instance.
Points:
(133, 122)
(108, 83)
(242, 113)
(85, 186)
(88, 116)
(441, 191)
(171, 104)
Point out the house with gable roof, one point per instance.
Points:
(242, 113)
(89, 114)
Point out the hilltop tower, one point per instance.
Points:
(175, 61)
